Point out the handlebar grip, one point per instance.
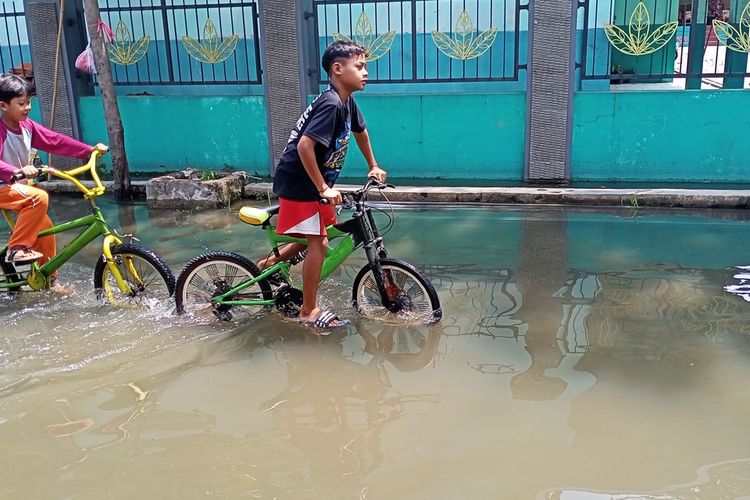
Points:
(325, 201)
(18, 176)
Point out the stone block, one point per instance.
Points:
(170, 192)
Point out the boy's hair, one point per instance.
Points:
(13, 86)
(338, 50)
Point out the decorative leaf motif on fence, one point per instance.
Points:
(737, 39)
(464, 45)
(639, 40)
(123, 50)
(210, 49)
(375, 46)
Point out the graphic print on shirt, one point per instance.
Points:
(336, 161)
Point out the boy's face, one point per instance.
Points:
(17, 109)
(351, 73)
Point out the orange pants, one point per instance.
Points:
(30, 204)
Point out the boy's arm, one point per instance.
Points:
(6, 170)
(57, 143)
(363, 142)
(306, 150)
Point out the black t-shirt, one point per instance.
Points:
(329, 122)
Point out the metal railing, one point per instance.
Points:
(665, 41)
(15, 53)
(429, 41)
(184, 42)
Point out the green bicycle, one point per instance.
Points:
(126, 273)
(229, 285)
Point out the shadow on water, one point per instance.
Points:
(582, 354)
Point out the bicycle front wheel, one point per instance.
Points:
(148, 278)
(213, 274)
(405, 284)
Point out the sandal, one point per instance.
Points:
(21, 255)
(326, 320)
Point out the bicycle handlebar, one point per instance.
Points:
(72, 174)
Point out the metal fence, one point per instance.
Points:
(429, 41)
(183, 42)
(678, 43)
(15, 54)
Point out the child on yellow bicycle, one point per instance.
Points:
(19, 138)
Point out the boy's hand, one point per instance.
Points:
(378, 173)
(102, 148)
(331, 195)
(29, 171)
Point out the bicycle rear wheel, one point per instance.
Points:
(147, 276)
(215, 273)
(405, 285)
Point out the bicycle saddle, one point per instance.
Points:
(257, 216)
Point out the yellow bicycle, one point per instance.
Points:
(126, 273)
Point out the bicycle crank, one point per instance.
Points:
(288, 301)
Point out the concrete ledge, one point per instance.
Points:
(695, 198)
(139, 187)
(687, 198)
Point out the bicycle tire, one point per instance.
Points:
(154, 281)
(420, 301)
(214, 273)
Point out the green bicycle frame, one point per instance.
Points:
(335, 255)
(95, 226)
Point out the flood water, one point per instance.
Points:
(583, 353)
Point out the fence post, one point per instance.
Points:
(736, 62)
(696, 44)
(42, 18)
(285, 88)
(549, 102)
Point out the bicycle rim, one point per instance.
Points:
(413, 292)
(202, 281)
(146, 284)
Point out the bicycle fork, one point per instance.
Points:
(110, 240)
(383, 279)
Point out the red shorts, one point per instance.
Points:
(305, 218)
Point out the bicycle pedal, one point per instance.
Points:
(222, 314)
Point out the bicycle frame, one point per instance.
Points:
(94, 224)
(360, 230)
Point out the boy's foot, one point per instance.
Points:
(324, 319)
(56, 286)
(20, 255)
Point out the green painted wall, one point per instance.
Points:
(697, 136)
(164, 134)
(452, 136)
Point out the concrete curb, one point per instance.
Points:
(687, 198)
(693, 198)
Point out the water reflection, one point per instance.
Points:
(334, 409)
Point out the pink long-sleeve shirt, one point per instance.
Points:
(16, 145)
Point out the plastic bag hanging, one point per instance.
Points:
(85, 61)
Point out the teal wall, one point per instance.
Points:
(164, 134)
(452, 136)
(36, 111)
(687, 136)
